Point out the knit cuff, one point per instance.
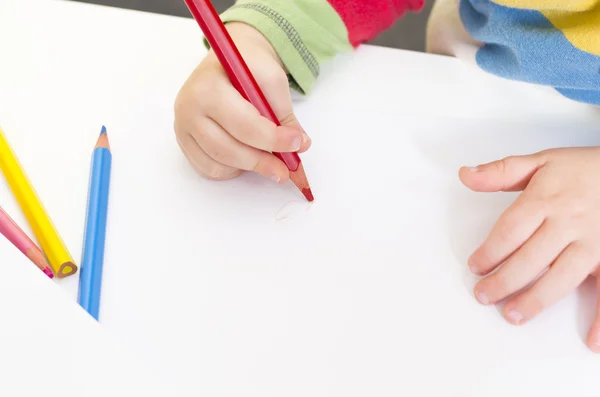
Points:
(303, 33)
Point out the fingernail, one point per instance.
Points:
(474, 270)
(515, 317)
(473, 169)
(296, 144)
(275, 178)
(482, 298)
(305, 137)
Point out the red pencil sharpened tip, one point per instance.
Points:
(298, 178)
(48, 272)
(308, 194)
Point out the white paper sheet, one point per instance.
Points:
(49, 346)
(364, 292)
(241, 288)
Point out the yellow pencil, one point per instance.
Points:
(41, 224)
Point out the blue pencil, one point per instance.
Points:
(90, 277)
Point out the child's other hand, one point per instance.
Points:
(220, 132)
(553, 227)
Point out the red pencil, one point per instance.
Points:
(217, 36)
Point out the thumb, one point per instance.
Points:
(507, 175)
(291, 121)
(274, 83)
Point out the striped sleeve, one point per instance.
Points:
(306, 33)
(554, 43)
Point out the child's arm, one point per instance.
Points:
(307, 32)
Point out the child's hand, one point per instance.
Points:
(554, 225)
(220, 132)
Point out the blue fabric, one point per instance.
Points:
(523, 45)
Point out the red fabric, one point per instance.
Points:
(365, 19)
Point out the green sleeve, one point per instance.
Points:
(303, 32)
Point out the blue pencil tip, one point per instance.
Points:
(103, 131)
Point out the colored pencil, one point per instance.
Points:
(58, 256)
(23, 243)
(240, 76)
(90, 277)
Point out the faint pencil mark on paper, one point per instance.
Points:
(291, 208)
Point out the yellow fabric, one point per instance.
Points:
(550, 5)
(582, 29)
(579, 20)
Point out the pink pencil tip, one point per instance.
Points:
(48, 272)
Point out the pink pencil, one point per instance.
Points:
(15, 235)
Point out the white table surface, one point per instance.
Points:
(364, 293)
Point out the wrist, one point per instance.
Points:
(245, 36)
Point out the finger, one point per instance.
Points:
(524, 266)
(247, 125)
(226, 150)
(593, 339)
(507, 175)
(571, 268)
(202, 163)
(515, 226)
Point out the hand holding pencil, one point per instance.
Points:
(221, 133)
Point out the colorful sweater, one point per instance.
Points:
(554, 43)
